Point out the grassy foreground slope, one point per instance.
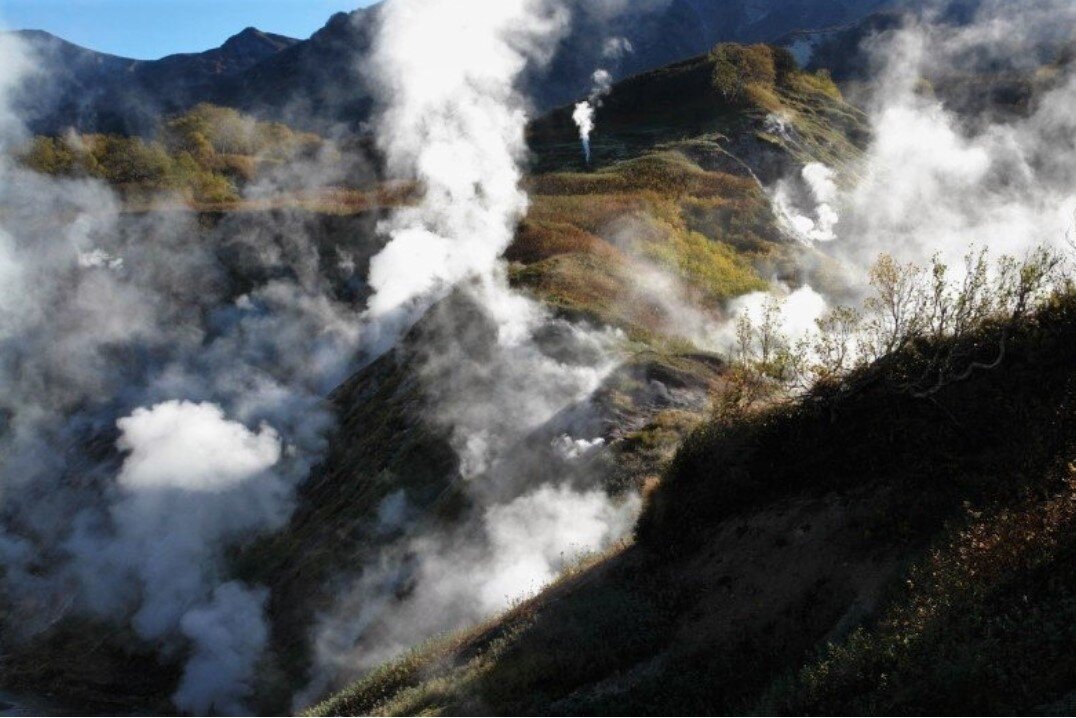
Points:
(852, 552)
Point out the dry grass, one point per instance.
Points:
(589, 237)
(326, 200)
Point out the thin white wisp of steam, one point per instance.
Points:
(492, 393)
(583, 117)
(615, 48)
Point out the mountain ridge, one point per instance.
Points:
(317, 83)
(84, 89)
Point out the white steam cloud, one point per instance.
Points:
(192, 484)
(820, 223)
(932, 183)
(935, 182)
(456, 125)
(930, 186)
(157, 415)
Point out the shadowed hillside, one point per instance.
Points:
(862, 551)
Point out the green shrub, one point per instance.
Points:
(208, 130)
(818, 82)
(50, 155)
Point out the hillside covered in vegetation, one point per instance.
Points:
(205, 158)
(891, 536)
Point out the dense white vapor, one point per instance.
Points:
(820, 222)
(455, 123)
(181, 445)
(534, 536)
(930, 183)
(797, 312)
(153, 417)
(933, 182)
(192, 483)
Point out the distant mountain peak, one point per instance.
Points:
(251, 39)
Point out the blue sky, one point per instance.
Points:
(148, 29)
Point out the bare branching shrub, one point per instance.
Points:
(835, 350)
(931, 329)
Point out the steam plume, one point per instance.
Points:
(583, 116)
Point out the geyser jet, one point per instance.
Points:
(584, 120)
(583, 116)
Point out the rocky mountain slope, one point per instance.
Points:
(820, 555)
(652, 235)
